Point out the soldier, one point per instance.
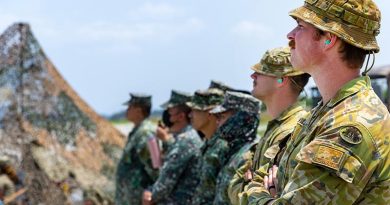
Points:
(238, 119)
(214, 148)
(273, 77)
(340, 153)
(177, 179)
(135, 171)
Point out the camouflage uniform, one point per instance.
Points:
(177, 179)
(340, 153)
(239, 131)
(135, 172)
(213, 151)
(275, 62)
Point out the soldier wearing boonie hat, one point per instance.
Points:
(135, 171)
(238, 119)
(340, 154)
(214, 148)
(277, 84)
(178, 176)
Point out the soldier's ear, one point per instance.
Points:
(329, 40)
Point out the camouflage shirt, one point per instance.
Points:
(135, 172)
(338, 154)
(226, 174)
(269, 146)
(240, 132)
(178, 179)
(213, 152)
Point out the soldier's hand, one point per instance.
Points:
(162, 133)
(248, 175)
(147, 198)
(271, 181)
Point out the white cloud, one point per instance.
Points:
(252, 31)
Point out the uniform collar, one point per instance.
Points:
(350, 89)
(296, 107)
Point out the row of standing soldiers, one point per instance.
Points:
(337, 153)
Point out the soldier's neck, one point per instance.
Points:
(329, 79)
(137, 122)
(280, 102)
(178, 126)
(209, 130)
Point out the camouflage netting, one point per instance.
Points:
(55, 141)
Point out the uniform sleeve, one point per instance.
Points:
(176, 162)
(238, 182)
(331, 169)
(205, 191)
(226, 175)
(146, 160)
(256, 185)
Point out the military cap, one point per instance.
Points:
(239, 102)
(206, 99)
(356, 21)
(276, 62)
(137, 98)
(219, 85)
(177, 98)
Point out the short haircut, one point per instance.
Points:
(184, 108)
(145, 108)
(299, 82)
(352, 55)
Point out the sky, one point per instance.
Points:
(106, 49)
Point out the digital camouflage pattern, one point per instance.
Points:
(177, 98)
(276, 62)
(137, 98)
(220, 85)
(214, 152)
(243, 155)
(135, 172)
(356, 21)
(338, 155)
(206, 99)
(270, 146)
(239, 102)
(239, 131)
(178, 175)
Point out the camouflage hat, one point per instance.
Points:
(276, 62)
(137, 98)
(206, 99)
(356, 22)
(177, 98)
(239, 102)
(219, 85)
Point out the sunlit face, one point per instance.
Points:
(263, 85)
(223, 117)
(305, 48)
(199, 119)
(131, 112)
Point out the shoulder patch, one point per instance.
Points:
(351, 135)
(329, 157)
